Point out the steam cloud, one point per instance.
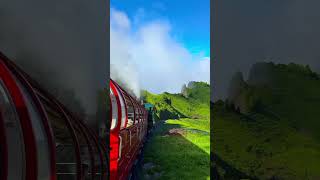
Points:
(146, 56)
(59, 43)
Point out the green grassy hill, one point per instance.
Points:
(193, 102)
(269, 126)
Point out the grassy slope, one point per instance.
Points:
(285, 146)
(186, 155)
(181, 157)
(296, 97)
(195, 106)
(265, 148)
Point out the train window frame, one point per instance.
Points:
(15, 93)
(139, 113)
(134, 106)
(130, 121)
(123, 123)
(28, 84)
(6, 95)
(114, 113)
(39, 132)
(23, 90)
(55, 107)
(130, 107)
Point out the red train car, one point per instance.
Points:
(39, 138)
(128, 130)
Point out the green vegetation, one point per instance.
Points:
(269, 126)
(174, 106)
(179, 147)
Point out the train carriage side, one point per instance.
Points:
(40, 138)
(127, 131)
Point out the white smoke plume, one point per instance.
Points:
(61, 44)
(147, 56)
(122, 67)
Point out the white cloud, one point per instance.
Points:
(150, 58)
(119, 19)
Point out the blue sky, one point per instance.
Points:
(189, 20)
